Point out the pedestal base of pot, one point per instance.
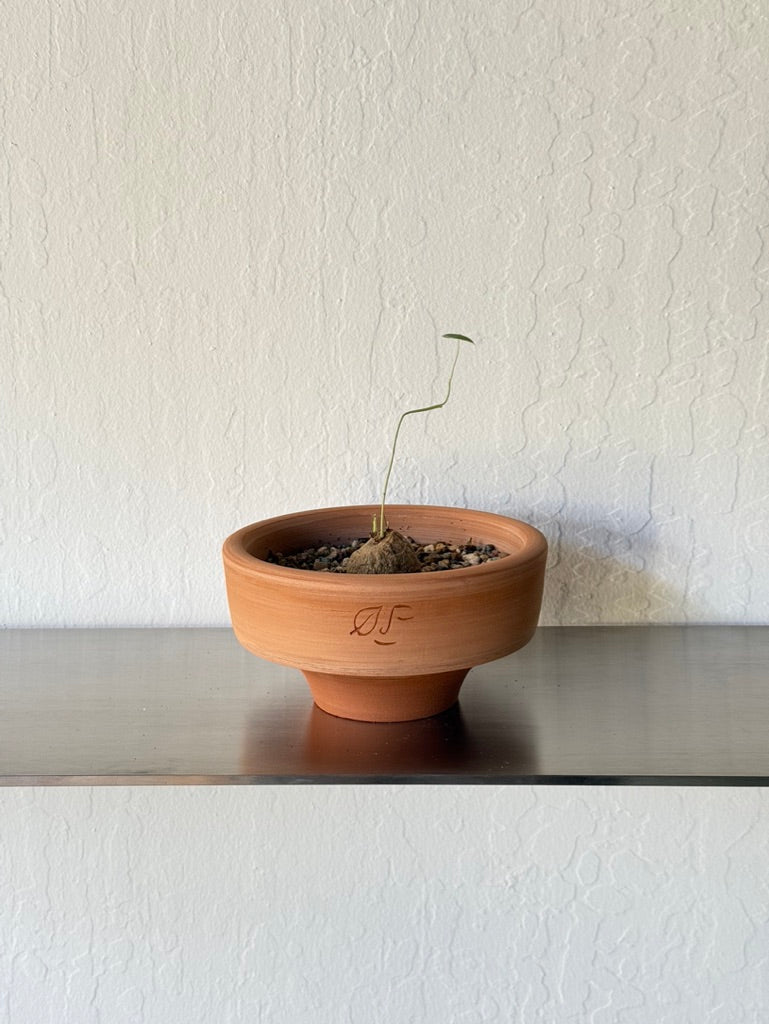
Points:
(385, 698)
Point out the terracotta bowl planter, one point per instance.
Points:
(384, 648)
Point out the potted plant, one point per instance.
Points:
(384, 641)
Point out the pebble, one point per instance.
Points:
(436, 557)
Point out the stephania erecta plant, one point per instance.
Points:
(386, 550)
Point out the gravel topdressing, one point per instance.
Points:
(435, 557)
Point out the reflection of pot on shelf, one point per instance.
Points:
(435, 744)
(322, 745)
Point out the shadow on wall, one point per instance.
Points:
(597, 575)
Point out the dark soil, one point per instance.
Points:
(436, 557)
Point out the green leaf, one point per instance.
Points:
(459, 337)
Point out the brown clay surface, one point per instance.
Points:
(385, 626)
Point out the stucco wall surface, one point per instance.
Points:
(366, 905)
(232, 234)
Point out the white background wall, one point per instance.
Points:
(230, 236)
(316, 905)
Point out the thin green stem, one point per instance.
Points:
(411, 412)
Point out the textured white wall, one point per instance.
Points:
(231, 234)
(400, 906)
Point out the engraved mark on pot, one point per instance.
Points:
(379, 618)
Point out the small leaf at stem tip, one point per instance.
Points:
(459, 337)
